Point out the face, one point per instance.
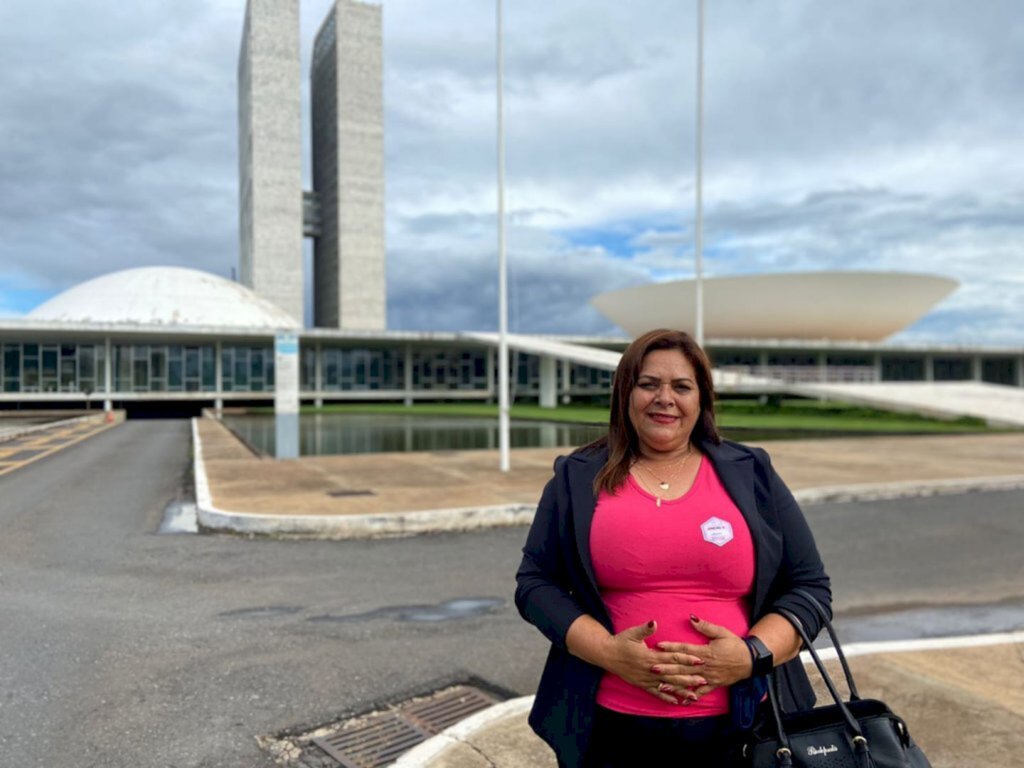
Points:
(665, 403)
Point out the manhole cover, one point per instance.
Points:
(379, 738)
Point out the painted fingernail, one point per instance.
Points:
(702, 681)
(693, 618)
(650, 624)
(665, 688)
(656, 670)
(698, 663)
(685, 702)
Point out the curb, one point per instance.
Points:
(903, 489)
(212, 518)
(421, 755)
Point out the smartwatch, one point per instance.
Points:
(762, 658)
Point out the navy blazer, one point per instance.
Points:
(556, 583)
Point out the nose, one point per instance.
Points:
(664, 395)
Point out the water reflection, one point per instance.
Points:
(348, 433)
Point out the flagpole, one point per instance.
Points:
(503, 373)
(699, 185)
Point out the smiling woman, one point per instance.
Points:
(658, 565)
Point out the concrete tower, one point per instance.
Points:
(270, 154)
(348, 168)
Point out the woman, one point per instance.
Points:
(654, 565)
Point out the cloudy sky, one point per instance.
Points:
(867, 135)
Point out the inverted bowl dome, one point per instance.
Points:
(841, 306)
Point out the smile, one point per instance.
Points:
(663, 418)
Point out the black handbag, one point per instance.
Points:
(859, 733)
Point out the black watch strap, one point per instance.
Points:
(762, 657)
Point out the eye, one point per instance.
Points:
(649, 385)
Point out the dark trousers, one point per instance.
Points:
(627, 741)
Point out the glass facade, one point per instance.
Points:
(30, 367)
(903, 369)
(952, 369)
(589, 380)
(164, 368)
(247, 368)
(361, 370)
(449, 369)
(999, 370)
(54, 367)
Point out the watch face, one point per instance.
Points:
(763, 660)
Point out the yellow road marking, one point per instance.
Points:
(77, 433)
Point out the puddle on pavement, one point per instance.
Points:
(931, 622)
(462, 608)
(179, 517)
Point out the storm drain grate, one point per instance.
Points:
(379, 739)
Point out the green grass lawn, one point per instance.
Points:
(787, 415)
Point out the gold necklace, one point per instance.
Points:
(662, 484)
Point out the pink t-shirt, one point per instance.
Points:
(693, 555)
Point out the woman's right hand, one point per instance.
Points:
(629, 657)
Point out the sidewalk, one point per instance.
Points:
(964, 705)
(958, 703)
(403, 493)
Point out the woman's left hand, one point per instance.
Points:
(725, 659)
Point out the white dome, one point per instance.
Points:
(163, 296)
(843, 306)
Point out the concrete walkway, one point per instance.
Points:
(402, 493)
(964, 705)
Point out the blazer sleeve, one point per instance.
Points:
(801, 565)
(544, 593)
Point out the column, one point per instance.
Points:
(548, 382)
(408, 375)
(491, 362)
(566, 381)
(318, 375)
(218, 377)
(108, 371)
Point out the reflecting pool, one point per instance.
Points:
(348, 433)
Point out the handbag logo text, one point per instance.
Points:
(819, 751)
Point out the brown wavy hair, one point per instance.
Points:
(622, 440)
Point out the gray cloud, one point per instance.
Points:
(872, 135)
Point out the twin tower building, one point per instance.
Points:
(344, 213)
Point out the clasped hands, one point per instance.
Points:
(679, 673)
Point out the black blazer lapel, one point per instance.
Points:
(735, 469)
(581, 473)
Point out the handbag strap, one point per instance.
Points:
(823, 615)
(851, 721)
(774, 699)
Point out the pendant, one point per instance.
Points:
(663, 485)
(659, 502)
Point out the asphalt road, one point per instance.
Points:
(123, 647)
